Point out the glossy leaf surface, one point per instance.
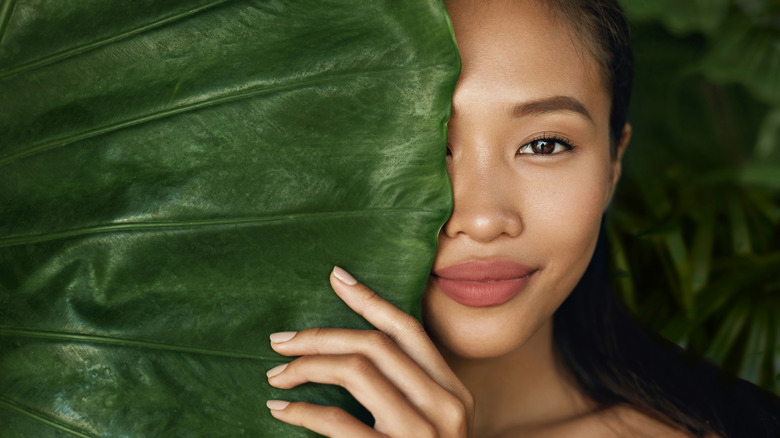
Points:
(177, 180)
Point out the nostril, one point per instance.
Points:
(483, 223)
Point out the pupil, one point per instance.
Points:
(543, 147)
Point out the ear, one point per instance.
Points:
(617, 162)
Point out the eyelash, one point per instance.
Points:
(553, 138)
(557, 139)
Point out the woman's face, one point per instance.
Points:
(531, 173)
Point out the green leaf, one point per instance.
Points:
(680, 16)
(678, 254)
(746, 53)
(177, 180)
(740, 232)
(728, 333)
(768, 141)
(775, 370)
(677, 330)
(761, 175)
(701, 253)
(756, 348)
(620, 262)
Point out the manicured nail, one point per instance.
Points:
(282, 336)
(344, 276)
(275, 370)
(276, 405)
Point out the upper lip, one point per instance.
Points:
(482, 271)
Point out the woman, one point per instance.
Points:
(535, 144)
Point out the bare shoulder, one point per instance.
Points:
(631, 422)
(620, 421)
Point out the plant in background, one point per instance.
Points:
(695, 226)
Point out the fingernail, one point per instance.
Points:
(276, 405)
(344, 276)
(275, 370)
(282, 336)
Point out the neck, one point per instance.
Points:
(528, 387)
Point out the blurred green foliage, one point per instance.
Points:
(695, 226)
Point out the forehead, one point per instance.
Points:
(516, 50)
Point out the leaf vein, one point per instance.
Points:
(123, 342)
(6, 9)
(156, 226)
(64, 54)
(40, 417)
(169, 112)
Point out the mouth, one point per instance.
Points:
(483, 283)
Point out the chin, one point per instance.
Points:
(477, 333)
(476, 348)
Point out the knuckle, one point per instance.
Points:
(318, 337)
(426, 430)
(333, 416)
(371, 300)
(377, 338)
(405, 325)
(357, 363)
(453, 413)
(412, 325)
(452, 409)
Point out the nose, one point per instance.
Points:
(486, 203)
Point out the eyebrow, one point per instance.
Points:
(549, 105)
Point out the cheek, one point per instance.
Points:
(562, 223)
(566, 209)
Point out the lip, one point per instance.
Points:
(483, 283)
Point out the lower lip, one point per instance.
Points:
(481, 293)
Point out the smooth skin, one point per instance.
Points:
(532, 174)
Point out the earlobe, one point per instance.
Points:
(625, 137)
(617, 164)
(617, 161)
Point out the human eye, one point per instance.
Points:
(546, 145)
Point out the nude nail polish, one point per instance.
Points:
(282, 336)
(276, 370)
(276, 405)
(344, 276)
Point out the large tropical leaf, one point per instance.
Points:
(177, 179)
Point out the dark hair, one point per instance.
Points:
(611, 357)
(615, 361)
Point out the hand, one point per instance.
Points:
(395, 372)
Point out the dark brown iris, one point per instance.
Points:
(543, 147)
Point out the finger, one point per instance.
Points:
(325, 420)
(402, 328)
(358, 375)
(403, 372)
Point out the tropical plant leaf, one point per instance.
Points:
(757, 346)
(699, 204)
(177, 180)
(749, 54)
(681, 17)
(729, 332)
